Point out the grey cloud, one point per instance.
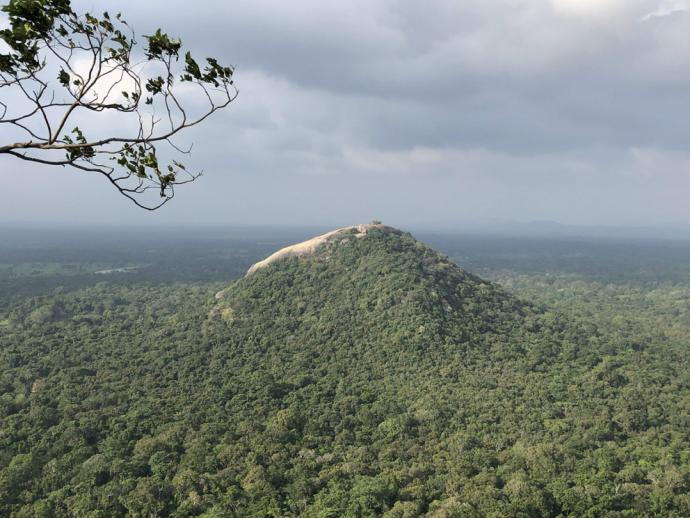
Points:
(440, 110)
(510, 74)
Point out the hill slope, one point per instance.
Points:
(369, 376)
(376, 290)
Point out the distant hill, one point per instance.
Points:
(554, 229)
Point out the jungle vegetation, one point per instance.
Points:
(374, 379)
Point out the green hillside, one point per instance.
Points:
(372, 377)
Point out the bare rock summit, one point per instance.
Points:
(308, 247)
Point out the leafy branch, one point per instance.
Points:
(60, 68)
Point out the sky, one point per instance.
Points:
(426, 113)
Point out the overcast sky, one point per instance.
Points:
(421, 113)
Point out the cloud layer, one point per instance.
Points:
(422, 112)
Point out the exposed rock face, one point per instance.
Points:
(310, 246)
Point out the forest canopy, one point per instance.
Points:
(382, 381)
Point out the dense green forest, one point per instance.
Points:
(374, 378)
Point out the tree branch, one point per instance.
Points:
(48, 49)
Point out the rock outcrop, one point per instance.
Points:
(310, 246)
(314, 244)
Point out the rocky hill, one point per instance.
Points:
(371, 285)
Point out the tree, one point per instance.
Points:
(61, 69)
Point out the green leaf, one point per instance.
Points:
(64, 78)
